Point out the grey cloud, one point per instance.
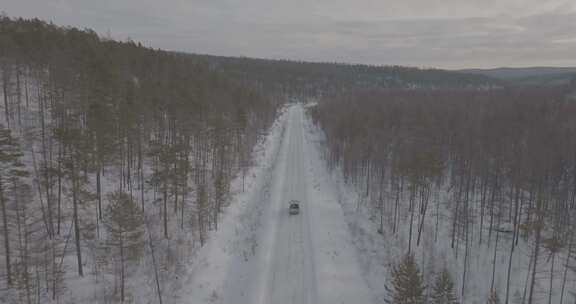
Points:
(444, 33)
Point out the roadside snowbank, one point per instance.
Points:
(338, 271)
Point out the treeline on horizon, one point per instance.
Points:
(506, 157)
(313, 78)
(113, 158)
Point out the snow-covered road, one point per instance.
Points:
(292, 278)
(306, 258)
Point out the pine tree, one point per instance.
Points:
(9, 168)
(443, 292)
(126, 227)
(493, 299)
(406, 286)
(517, 298)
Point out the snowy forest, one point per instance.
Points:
(487, 175)
(113, 156)
(117, 163)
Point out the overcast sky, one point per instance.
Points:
(425, 33)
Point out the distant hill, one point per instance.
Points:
(310, 76)
(529, 75)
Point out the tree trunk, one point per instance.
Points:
(141, 168)
(494, 191)
(5, 81)
(6, 236)
(484, 190)
(425, 197)
(399, 186)
(154, 264)
(59, 189)
(46, 173)
(566, 267)
(534, 267)
(165, 207)
(18, 96)
(494, 261)
(412, 198)
(512, 246)
(381, 199)
(527, 279)
(551, 278)
(455, 216)
(99, 192)
(121, 268)
(76, 221)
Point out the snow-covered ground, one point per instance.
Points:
(378, 252)
(264, 255)
(332, 251)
